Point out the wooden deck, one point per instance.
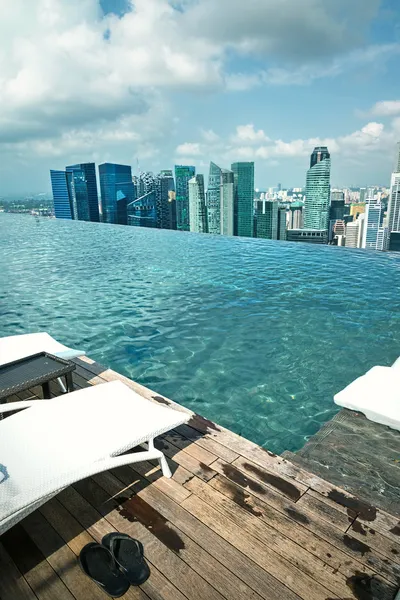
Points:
(235, 522)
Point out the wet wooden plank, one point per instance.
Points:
(328, 512)
(247, 518)
(283, 485)
(185, 431)
(278, 567)
(33, 565)
(201, 454)
(256, 578)
(12, 583)
(370, 536)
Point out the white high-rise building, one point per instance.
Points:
(197, 205)
(373, 221)
(220, 201)
(361, 226)
(394, 203)
(382, 238)
(352, 234)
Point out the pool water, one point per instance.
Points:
(256, 335)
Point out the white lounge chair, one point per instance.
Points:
(54, 443)
(375, 394)
(14, 347)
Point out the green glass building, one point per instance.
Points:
(183, 174)
(266, 219)
(318, 189)
(243, 173)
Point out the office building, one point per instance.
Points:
(62, 203)
(142, 212)
(336, 209)
(397, 163)
(243, 198)
(117, 192)
(220, 201)
(352, 234)
(310, 236)
(165, 200)
(282, 223)
(182, 176)
(316, 209)
(373, 221)
(363, 193)
(357, 209)
(394, 203)
(296, 215)
(197, 205)
(266, 219)
(82, 188)
(394, 241)
(382, 238)
(144, 183)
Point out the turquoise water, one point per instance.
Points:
(255, 335)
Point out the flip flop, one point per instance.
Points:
(128, 554)
(98, 564)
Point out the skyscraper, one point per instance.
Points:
(266, 219)
(352, 234)
(243, 198)
(296, 215)
(165, 200)
(197, 205)
(82, 188)
(62, 203)
(397, 164)
(182, 176)
(117, 191)
(316, 209)
(219, 201)
(282, 223)
(142, 212)
(394, 203)
(373, 221)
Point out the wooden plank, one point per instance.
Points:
(13, 585)
(61, 558)
(74, 534)
(170, 487)
(327, 512)
(374, 539)
(248, 571)
(299, 525)
(162, 544)
(344, 542)
(184, 431)
(312, 564)
(152, 471)
(32, 564)
(283, 485)
(202, 455)
(278, 567)
(181, 457)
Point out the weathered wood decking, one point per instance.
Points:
(234, 522)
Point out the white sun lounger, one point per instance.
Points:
(14, 347)
(375, 394)
(54, 443)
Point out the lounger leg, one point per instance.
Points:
(162, 460)
(62, 386)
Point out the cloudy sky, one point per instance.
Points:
(189, 81)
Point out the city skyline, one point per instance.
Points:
(313, 74)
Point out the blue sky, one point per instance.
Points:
(163, 82)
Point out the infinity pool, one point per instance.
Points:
(255, 335)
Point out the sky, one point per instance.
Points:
(153, 83)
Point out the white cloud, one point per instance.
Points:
(386, 108)
(188, 149)
(247, 134)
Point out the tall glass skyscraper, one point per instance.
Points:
(82, 187)
(117, 191)
(243, 198)
(318, 187)
(182, 176)
(165, 200)
(197, 205)
(266, 219)
(142, 212)
(220, 201)
(373, 221)
(62, 202)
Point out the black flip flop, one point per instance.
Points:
(128, 554)
(98, 564)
